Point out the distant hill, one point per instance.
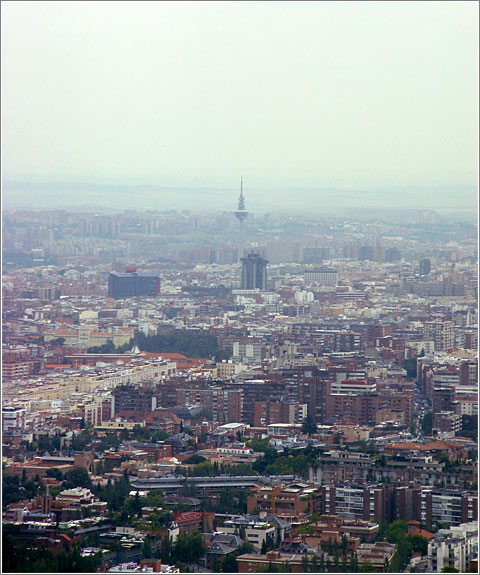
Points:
(112, 197)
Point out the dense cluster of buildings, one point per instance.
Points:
(346, 351)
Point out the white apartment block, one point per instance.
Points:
(325, 276)
(454, 547)
(354, 387)
(256, 532)
(13, 418)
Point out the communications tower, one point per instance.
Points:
(241, 214)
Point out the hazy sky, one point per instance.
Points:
(309, 94)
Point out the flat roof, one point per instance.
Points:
(133, 274)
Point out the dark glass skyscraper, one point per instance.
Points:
(131, 283)
(424, 267)
(254, 272)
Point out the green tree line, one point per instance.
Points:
(192, 343)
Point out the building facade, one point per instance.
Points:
(254, 272)
(323, 276)
(132, 283)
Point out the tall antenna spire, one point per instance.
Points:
(241, 199)
(241, 214)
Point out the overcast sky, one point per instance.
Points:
(289, 94)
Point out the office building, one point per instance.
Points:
(131, 283)
(424, 267)
(324, 276)
(254, 272)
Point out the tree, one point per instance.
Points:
(194, 459)
(166, 549)
(410, 366)
(308, 426)
(54, 472)
(401, 556)
(30, 490)
(11, 489)
(147, 549)
(396, 531)
(77, 477)
(417, 543)
(204, 469)
(108, 347)
(367, 567)
(449, 569)
(262, 445)
(189, 548)
(263, 550)
(470, 426)
(344, 543)
(245, 547)
(427, 423)
(353, 562)
(18, 557)
(192, 343)
(229, 564)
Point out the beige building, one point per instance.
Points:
(225, 370)
(87, 335)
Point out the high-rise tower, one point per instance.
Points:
(241, 214)
(254, 272)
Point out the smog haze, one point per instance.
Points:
(165, 105)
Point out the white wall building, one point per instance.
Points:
(324, 276)
(454, 547)
(13, 418)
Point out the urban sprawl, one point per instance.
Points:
(222, 393)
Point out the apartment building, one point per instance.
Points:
(356, 501)
(454, 547)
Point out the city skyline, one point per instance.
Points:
(239, 287)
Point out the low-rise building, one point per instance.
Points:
(378, 554)
(255, 562)
(289, 502)
(256, 531)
